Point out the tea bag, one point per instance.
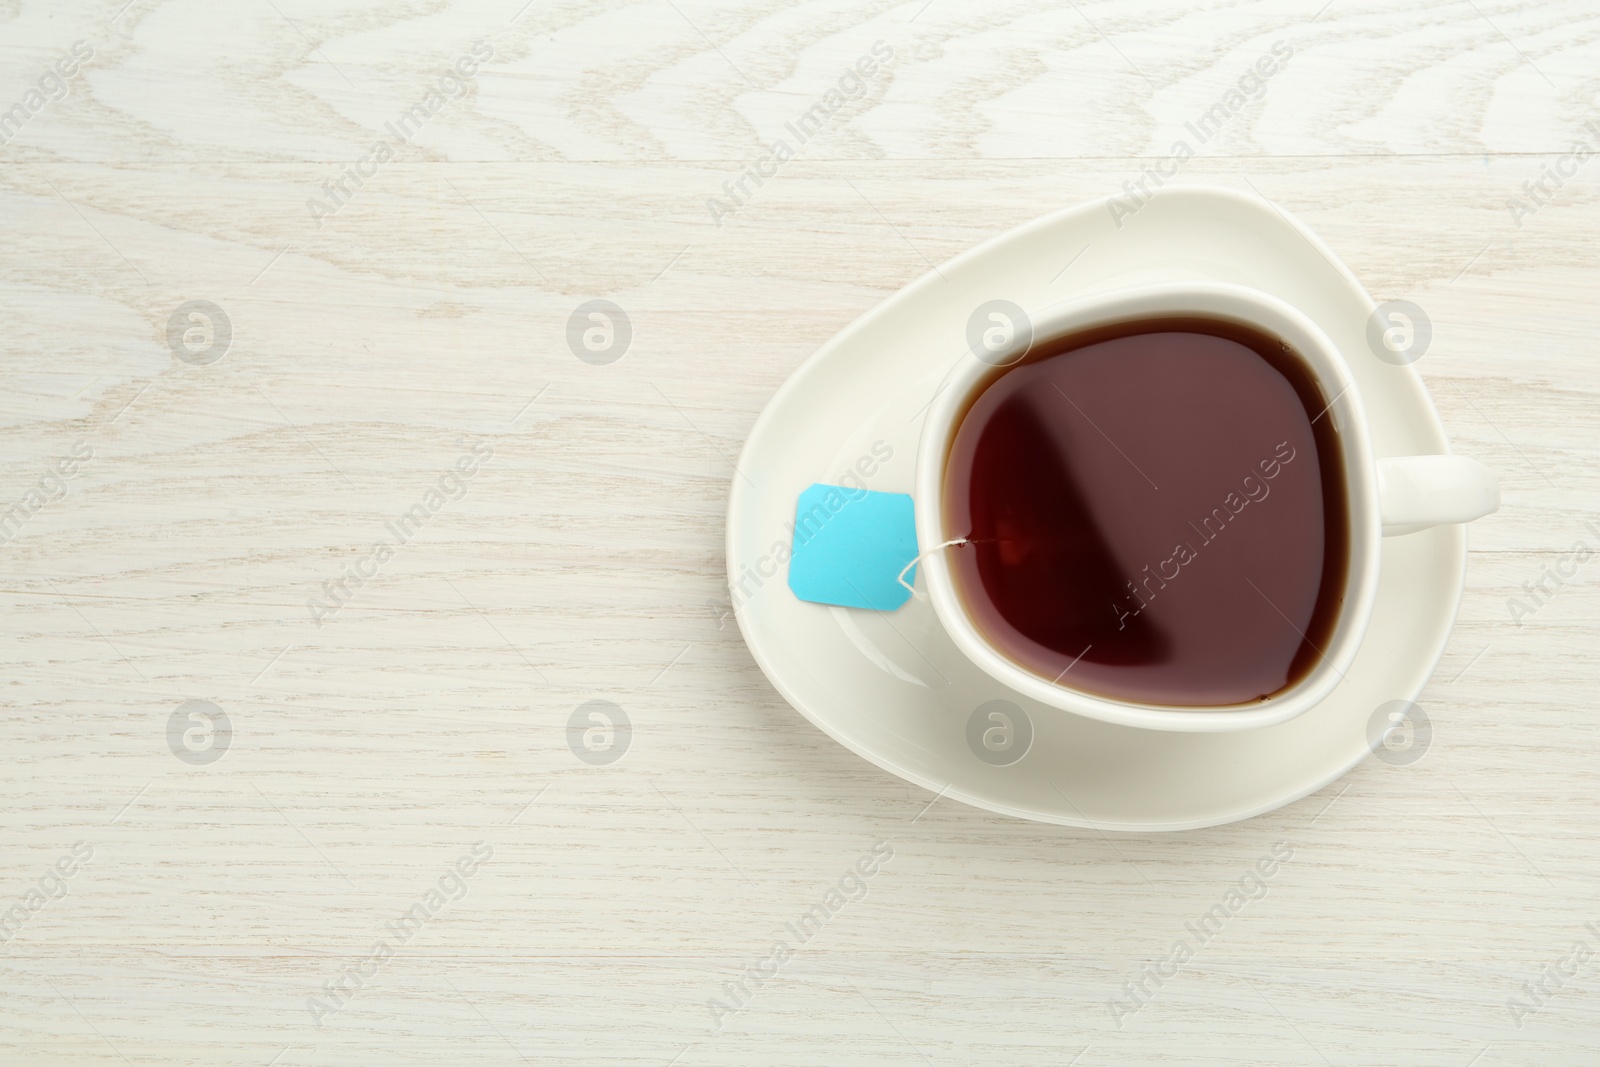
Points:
(850, 547)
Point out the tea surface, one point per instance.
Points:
(1157, 514)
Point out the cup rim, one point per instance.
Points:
(1214, 300)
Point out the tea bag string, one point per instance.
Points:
(901, 577)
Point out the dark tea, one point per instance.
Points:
(1156, 513)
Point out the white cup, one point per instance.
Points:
(1386, 497)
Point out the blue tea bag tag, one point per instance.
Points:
(850, 546)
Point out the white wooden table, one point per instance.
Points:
(376, 338)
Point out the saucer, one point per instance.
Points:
(893, 688)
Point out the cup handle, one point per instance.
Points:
(1416, 492)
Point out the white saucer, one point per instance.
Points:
(891, 687)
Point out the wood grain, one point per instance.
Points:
(429, 315)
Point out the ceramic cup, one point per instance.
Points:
(1386, 497)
